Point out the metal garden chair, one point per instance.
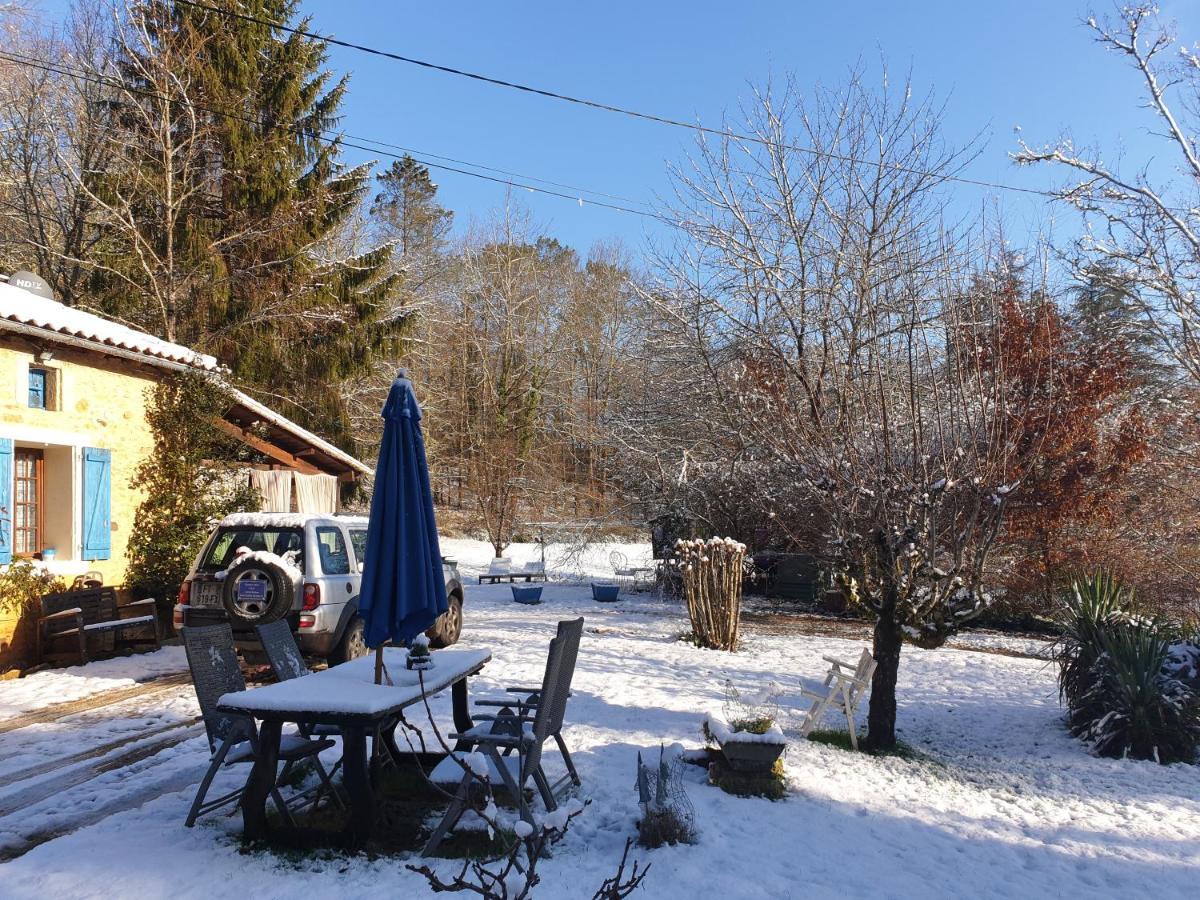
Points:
(213, 661)
(287, 662)
(491, 740)
(570, 631)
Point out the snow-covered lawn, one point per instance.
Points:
(1004, 803)
(77, 682)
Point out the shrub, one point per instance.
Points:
(1096, 604)
(1148, 713)
(22, 586)
(712, 586)
(1131, 682)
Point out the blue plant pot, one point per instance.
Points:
(530, 594)
(606, 593)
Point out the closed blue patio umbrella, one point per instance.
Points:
(403, 589)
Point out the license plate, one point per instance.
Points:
(206, 593)
(252, 591)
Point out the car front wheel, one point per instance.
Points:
(448, 627)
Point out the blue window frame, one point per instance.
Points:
(37, 388)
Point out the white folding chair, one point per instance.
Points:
(844, 688)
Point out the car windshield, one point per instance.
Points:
(230, 541)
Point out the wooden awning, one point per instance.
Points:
(285, 442)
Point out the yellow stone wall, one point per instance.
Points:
(102, 403)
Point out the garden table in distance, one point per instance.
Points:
(346, 696)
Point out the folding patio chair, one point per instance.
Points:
(490, 739)
(843, 689)
(569, 632)
(213, 661)
(287, 662)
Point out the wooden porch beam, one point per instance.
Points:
(265, 447)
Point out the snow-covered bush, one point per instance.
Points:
(1096, 604)
(712, 586)
(1131, 682)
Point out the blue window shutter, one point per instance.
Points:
(97, 503)
(37, 388)
(6, 486)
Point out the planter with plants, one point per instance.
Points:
(749, 738)
(419, 657)
(747, 746)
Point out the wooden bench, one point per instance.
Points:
(512, 577)
(71, 617)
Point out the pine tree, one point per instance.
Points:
(406, 211)
(1108, 318)
(288, 300)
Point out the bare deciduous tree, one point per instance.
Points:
(52, 127)
(842, 354)
(1143, 224)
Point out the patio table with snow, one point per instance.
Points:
(346, 696)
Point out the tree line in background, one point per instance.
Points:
(181, 171)
(824, 360)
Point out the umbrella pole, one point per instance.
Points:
(379, 664)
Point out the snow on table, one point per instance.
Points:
(350, 689)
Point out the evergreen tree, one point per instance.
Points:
(1106, 311)
(406, 210)
(184, 491)
(288, 300)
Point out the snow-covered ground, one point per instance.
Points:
(1002, 803)
(24, 695)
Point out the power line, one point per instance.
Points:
(606, 107)
(341, 140)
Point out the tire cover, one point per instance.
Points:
(277, 594)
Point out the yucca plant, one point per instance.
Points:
(1135, 708)
(1094, 606)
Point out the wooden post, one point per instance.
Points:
(379, 664)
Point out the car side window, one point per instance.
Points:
(334, 558)
(358, 539)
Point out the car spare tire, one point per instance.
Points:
(257, 591)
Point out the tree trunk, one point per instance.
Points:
(881, 717)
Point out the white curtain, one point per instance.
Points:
(316, 493)
(275, 487)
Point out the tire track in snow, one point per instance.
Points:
(22, 800)
(19, 845)
(58, 711)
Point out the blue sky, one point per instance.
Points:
(1000, 64)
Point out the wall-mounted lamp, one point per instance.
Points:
(44, 356)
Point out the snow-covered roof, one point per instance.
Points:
(24, 308)
(26, 311)
(262, 413)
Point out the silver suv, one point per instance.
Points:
(256, 568)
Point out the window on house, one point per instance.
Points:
(28, 505)
(39, 384)
(44, 387)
